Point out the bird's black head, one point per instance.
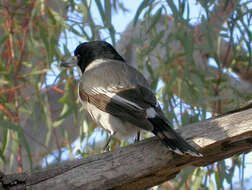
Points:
(90, 51)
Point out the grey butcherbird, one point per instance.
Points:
(119, 98)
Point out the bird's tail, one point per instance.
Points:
(170, 138)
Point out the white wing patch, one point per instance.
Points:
(151, 113)
(115, 97)
(120, 99)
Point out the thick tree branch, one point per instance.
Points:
(147, 163)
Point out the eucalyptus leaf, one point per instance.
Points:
(19, 130)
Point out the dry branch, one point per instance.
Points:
(147, 163)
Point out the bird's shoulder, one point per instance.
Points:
(112, 74)
(116, 77)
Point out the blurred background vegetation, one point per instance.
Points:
(196, 55)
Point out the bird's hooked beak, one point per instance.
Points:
(69, 62)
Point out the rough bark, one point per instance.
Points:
(148, 162)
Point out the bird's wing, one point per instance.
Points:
(122, 91)
(118, 89)
(128, 104)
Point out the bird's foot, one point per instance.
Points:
(138, 137)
